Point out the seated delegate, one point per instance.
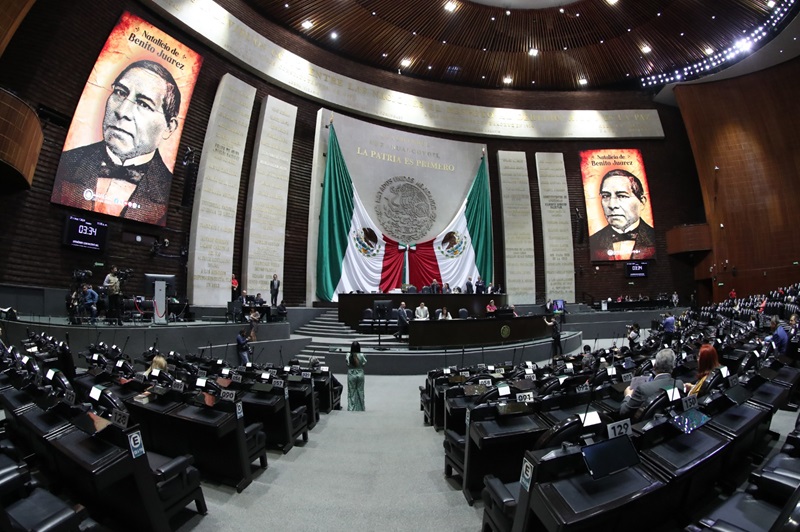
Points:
(664, 364)
(421, 313)
(445, 315)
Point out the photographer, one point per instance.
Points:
(634, 337)
(112, 285)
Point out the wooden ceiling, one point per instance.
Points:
(479, 45)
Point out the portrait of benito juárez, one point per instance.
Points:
(124, 174)
(627, 235)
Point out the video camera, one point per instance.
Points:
(124, 275)
(81, 275)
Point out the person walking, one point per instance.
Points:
(355, 378)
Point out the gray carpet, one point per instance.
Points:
(376, 470)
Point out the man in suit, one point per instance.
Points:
(274, 286)
(435, 288)
(626, 236)
(402, 321)
(664, 364)
(469, 289)
(480, 286)
(124, 174)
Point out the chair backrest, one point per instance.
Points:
(651, 406)
(714, 380)
(438, 313)
(393, 314)
(411, 289)
(463, 313)
(426, 289)
(366, 314)
(567, 430)
(789, 516)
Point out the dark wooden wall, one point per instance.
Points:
(50, 57)
(747, 128)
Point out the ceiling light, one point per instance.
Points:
(561, 10)
(450, 6)
(508, 12)
(582, 81)
(374, 13)
(385, 54)
(334, 35)
(708, 50)
(646, 49)
(405, 63)
(611, 2)
(307, 24)
(507, 80)
(492, 19)
(771, 4)
(285, 5)
(444, 42)
(430, 67)
(743, 45)
(533, 52)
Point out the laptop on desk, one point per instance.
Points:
(607, 457)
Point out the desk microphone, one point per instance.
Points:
(280, 352)
(462, 356)
(591, 390)
(125, 345)
(483, 361)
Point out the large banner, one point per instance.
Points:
(401, 208)
(122, 144)
(618, 206)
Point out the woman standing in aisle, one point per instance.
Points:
(355, 378)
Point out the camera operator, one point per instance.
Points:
(90, 299)
(112, 285)
(634, 337)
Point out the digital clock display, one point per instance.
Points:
(85, 233)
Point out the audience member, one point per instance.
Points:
(158, 362)
(422, 312)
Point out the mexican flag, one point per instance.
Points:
(350, 249)
(464, 248)
(354, 255)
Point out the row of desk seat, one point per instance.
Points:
(82, 452)
(486, 437)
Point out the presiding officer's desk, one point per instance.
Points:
(351, 306)
(481, 331)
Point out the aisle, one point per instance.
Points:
(376, 470)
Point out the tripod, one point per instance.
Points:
(383, 321)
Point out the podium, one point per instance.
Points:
(160, 310)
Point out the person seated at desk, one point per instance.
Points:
(282, 312)
(707, 361)
(243, 298)
(159, 363)
(422, 312)
(446, 289)
(513, 310)
(664, 364)
(259, 301)
(444, 315)
(491, 308)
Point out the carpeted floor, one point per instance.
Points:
(376, 470)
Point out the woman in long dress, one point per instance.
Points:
(355, 378)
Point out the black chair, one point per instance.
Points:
(744, 511)
(411, 289)
(256, 442)
(426, 289)
(651, 407)
(499, 504)
(463, 313)
(568, 430)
